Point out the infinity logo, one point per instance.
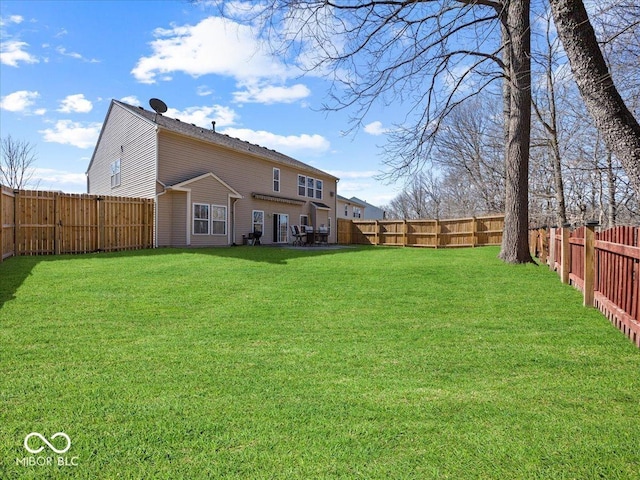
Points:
(41, 437)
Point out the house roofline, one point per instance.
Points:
(218, 139)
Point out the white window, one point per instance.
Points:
(258, 221)
(310, 184)
(200, 219)
(218, 220)
(276, 179)
(302, 185)
(319, 189)
(115, 174)
(304, 220)
(357, 213)
(346, 210)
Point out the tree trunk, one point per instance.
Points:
(515, 238)
(618, 127)
(611, 190)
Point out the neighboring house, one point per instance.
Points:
(210, 189)
(348, 208)
(371, 212)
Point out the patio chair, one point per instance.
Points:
(297, 235)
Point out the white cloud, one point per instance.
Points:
(131, 100)
(203, 91)
(213, 46)
(75, 103)
(272, 94)
(51, 179)
(13, 51)
(76, 55)
(375, 128)
(18, 101)
(72, 133)
(11, 19)
(354, 174)
(289, 144)
(203, 116)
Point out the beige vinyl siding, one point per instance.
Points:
(132, 140)
(172, 219)
(210, 192)
(182, 158)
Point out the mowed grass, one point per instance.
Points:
(276, 363)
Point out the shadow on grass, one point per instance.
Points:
(15, 270)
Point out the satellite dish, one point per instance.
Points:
(158, 105)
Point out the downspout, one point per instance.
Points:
(155, 210)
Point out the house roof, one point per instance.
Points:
(183, 185)
(215, 138)
(352, 200)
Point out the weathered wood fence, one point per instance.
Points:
(604, 266)
(463, 232)
(46, 223)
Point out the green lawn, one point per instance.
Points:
(277, 363)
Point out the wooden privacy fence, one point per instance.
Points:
(464, 232)
(604, 266)
(47, 223)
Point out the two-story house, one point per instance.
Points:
(210, 189)
(350, 208)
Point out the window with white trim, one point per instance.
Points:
(200, 219)
(357, 212)
(310, 184)
(276, 179)
(319, 189)
(115, 173)
(302, 185)
(304, 219)
(258, 221)
(218, 220)
(346, 210)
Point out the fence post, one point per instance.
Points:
(565, 267)
(589, 263)
(552, 248)
(474, 240)
(376, 233)
(56, 224)
(16, 222)
(404, 232)
(101, 220)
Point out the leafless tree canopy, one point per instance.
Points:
(17, 165)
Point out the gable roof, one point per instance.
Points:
(215, 138)
(353, 200)
(183, 185)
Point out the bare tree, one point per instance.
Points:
(17, 165)
(470, 147)
(546, 109)
(619, 128)
(428, 55)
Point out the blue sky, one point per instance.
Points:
(62, 63)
